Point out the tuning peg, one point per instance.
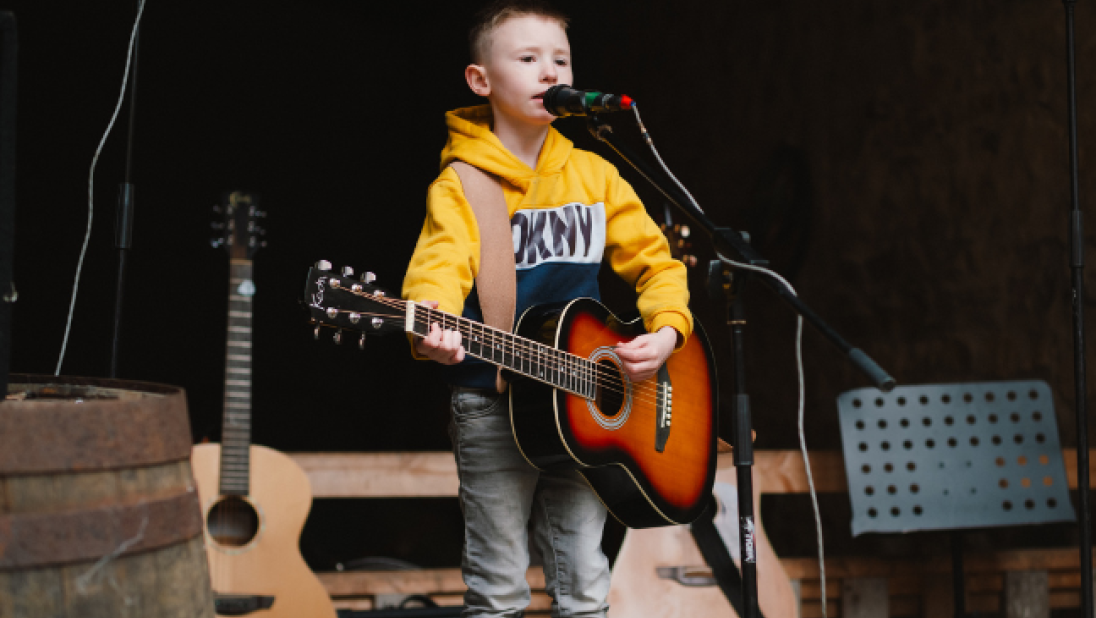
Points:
(377, 323)
(368, 277)
(258, 213)
(337, 337)
(217, 225)
(217, 209)
(316, 333)
(216, 242)
(323, 265)
(361, 342)
(685, 231)
(348, 271)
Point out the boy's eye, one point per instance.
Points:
(526, 58)
(561, 62)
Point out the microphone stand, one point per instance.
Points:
(1077, 269)
(727, 242)
(123, 229)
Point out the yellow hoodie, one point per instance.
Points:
(567, 215)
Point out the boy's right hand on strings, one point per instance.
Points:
(443, 346)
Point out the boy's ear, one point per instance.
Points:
(476, 76)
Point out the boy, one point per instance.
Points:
(568, 208)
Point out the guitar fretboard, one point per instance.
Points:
(236, 428)
(540, 362)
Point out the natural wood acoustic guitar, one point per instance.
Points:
(661, 573)
(254, 499)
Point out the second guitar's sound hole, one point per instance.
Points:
(610, 388)
(232, 522)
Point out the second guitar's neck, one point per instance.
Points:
(236, 428)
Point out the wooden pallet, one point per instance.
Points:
(1018, 581)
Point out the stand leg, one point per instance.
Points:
(743, 449)
(958, 583)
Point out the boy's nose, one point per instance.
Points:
(549, 75)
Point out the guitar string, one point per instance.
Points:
(607, 380)
(496, 334)
(557, 360)
(642, 392)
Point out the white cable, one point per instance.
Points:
(91, 187)
(798, 360)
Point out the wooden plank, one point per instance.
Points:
(418, 581)
(433, 474)
(380, 475)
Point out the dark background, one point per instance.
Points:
(904, 164)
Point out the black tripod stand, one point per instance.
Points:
(731, 244)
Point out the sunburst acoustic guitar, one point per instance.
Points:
(646, 448)
(254, 499)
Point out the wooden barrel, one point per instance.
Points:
(99, 514)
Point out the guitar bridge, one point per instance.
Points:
(240, 604)
(665, 404)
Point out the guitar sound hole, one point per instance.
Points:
(610, 388)
(232, 522)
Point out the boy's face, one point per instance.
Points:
(526, 56)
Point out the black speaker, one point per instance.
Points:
(7, 190)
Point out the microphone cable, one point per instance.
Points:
(798, 349)
(91, 187)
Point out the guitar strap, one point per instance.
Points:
(716, 555)
(496, 283)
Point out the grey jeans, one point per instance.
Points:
(507, 504)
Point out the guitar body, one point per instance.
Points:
(637, 590)
(254, 552)
(612, 440)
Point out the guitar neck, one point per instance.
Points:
(557, 368)
(236, 427)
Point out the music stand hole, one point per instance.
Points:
(1034, 394)
(1052, 503)
(993, 418)
(1025, 482)
(1044, 460)
(971, 419)
(915, 488)
(917, 509)
(1014, 417)
(974, 440)
(997, 440)
(908, 444)
(1021, 460)
(901, 401)
(872, 512)
(949, 421)
(1011, 396)
(1000, 461)
(891, 489)
(911, 466)
(1040, 438)
(866, 469)
(882, 424)
(884, 445)
(930, 443)
(989, 397)
(879, 402)
(869, 491)
(946, 399)
(863, 447)
(967, 397)
(1018, 438)
(895, 511)
(860, 425)
(1036, 416)
(952, 442)
(1003, 483)
(888, 467)
(924, 400)
(904, 422)
(1029, 504)
(1048, 481)
(927, 422)
(1006, 505)
(856, 403)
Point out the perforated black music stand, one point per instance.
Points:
(953, 456)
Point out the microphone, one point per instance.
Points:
(562, 100)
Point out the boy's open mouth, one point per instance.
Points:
(539, 96)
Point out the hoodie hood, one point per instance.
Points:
(472, 141)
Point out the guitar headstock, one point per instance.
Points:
(237, 225)
(341, 302)
(677, 235)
